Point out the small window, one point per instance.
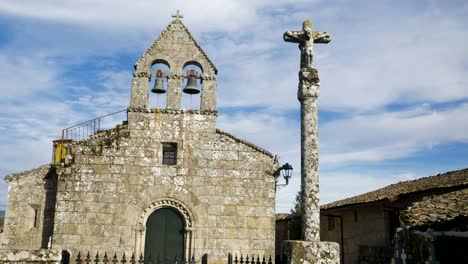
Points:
(169, 154)
(34, 213)
(331, 223)
(36, 218)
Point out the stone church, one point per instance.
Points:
(165, 182)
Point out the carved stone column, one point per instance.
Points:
(309, 90)
(140, 90)
(208, 96)
(311, 249)
(174, 91)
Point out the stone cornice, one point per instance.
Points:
(173, 111)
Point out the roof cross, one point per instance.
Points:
(177, 15)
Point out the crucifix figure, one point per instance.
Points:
(306, 38)
(177, 15)
(308, 92)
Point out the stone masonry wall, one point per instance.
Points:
(42, 256)
(367, 228)
(25, 207)
(113, 181)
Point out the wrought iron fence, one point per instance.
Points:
(247, 260)
(133, 259)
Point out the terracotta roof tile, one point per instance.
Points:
(437, 208)
(448, 179)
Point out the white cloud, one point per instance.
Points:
(25, 75)
(391, 135)
(221, 15)
(398, 60)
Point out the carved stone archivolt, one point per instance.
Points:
(168, 203)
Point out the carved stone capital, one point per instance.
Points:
(189, 229)
(309, 84)
(139, 228)
(309, 75)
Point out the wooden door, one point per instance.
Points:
(164, 235)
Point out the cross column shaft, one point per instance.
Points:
(309, 90)
(310, 176)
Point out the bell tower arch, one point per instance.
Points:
(176, 48)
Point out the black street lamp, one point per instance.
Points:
(286, 172)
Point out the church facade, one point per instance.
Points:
(165, 182)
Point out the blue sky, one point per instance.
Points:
(394, 92)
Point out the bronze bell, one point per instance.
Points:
(158, 87)
(191, 87)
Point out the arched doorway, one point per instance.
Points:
(164, 235)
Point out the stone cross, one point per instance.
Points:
(177, 15)
(306, 38)
(309, 90)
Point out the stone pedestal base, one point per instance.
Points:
(310, 252)
(49, 256)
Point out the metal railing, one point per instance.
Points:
(86, 129)
(82, 131)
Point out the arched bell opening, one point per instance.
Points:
(158, 84)
(192, 86)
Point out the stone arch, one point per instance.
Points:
(162, 61)
(192, 101)
(167, 203)
(158, 100)
(155, 59)
(180, 208)
(196, 63)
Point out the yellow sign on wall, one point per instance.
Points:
(60, 153)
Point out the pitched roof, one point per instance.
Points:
(437, 209)
(448, 179)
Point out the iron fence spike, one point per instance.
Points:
(78, 258)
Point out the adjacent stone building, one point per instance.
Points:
(365, 225)
(165, 182)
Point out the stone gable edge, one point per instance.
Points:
(255, 147)
(156, 42)
(42, 170)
